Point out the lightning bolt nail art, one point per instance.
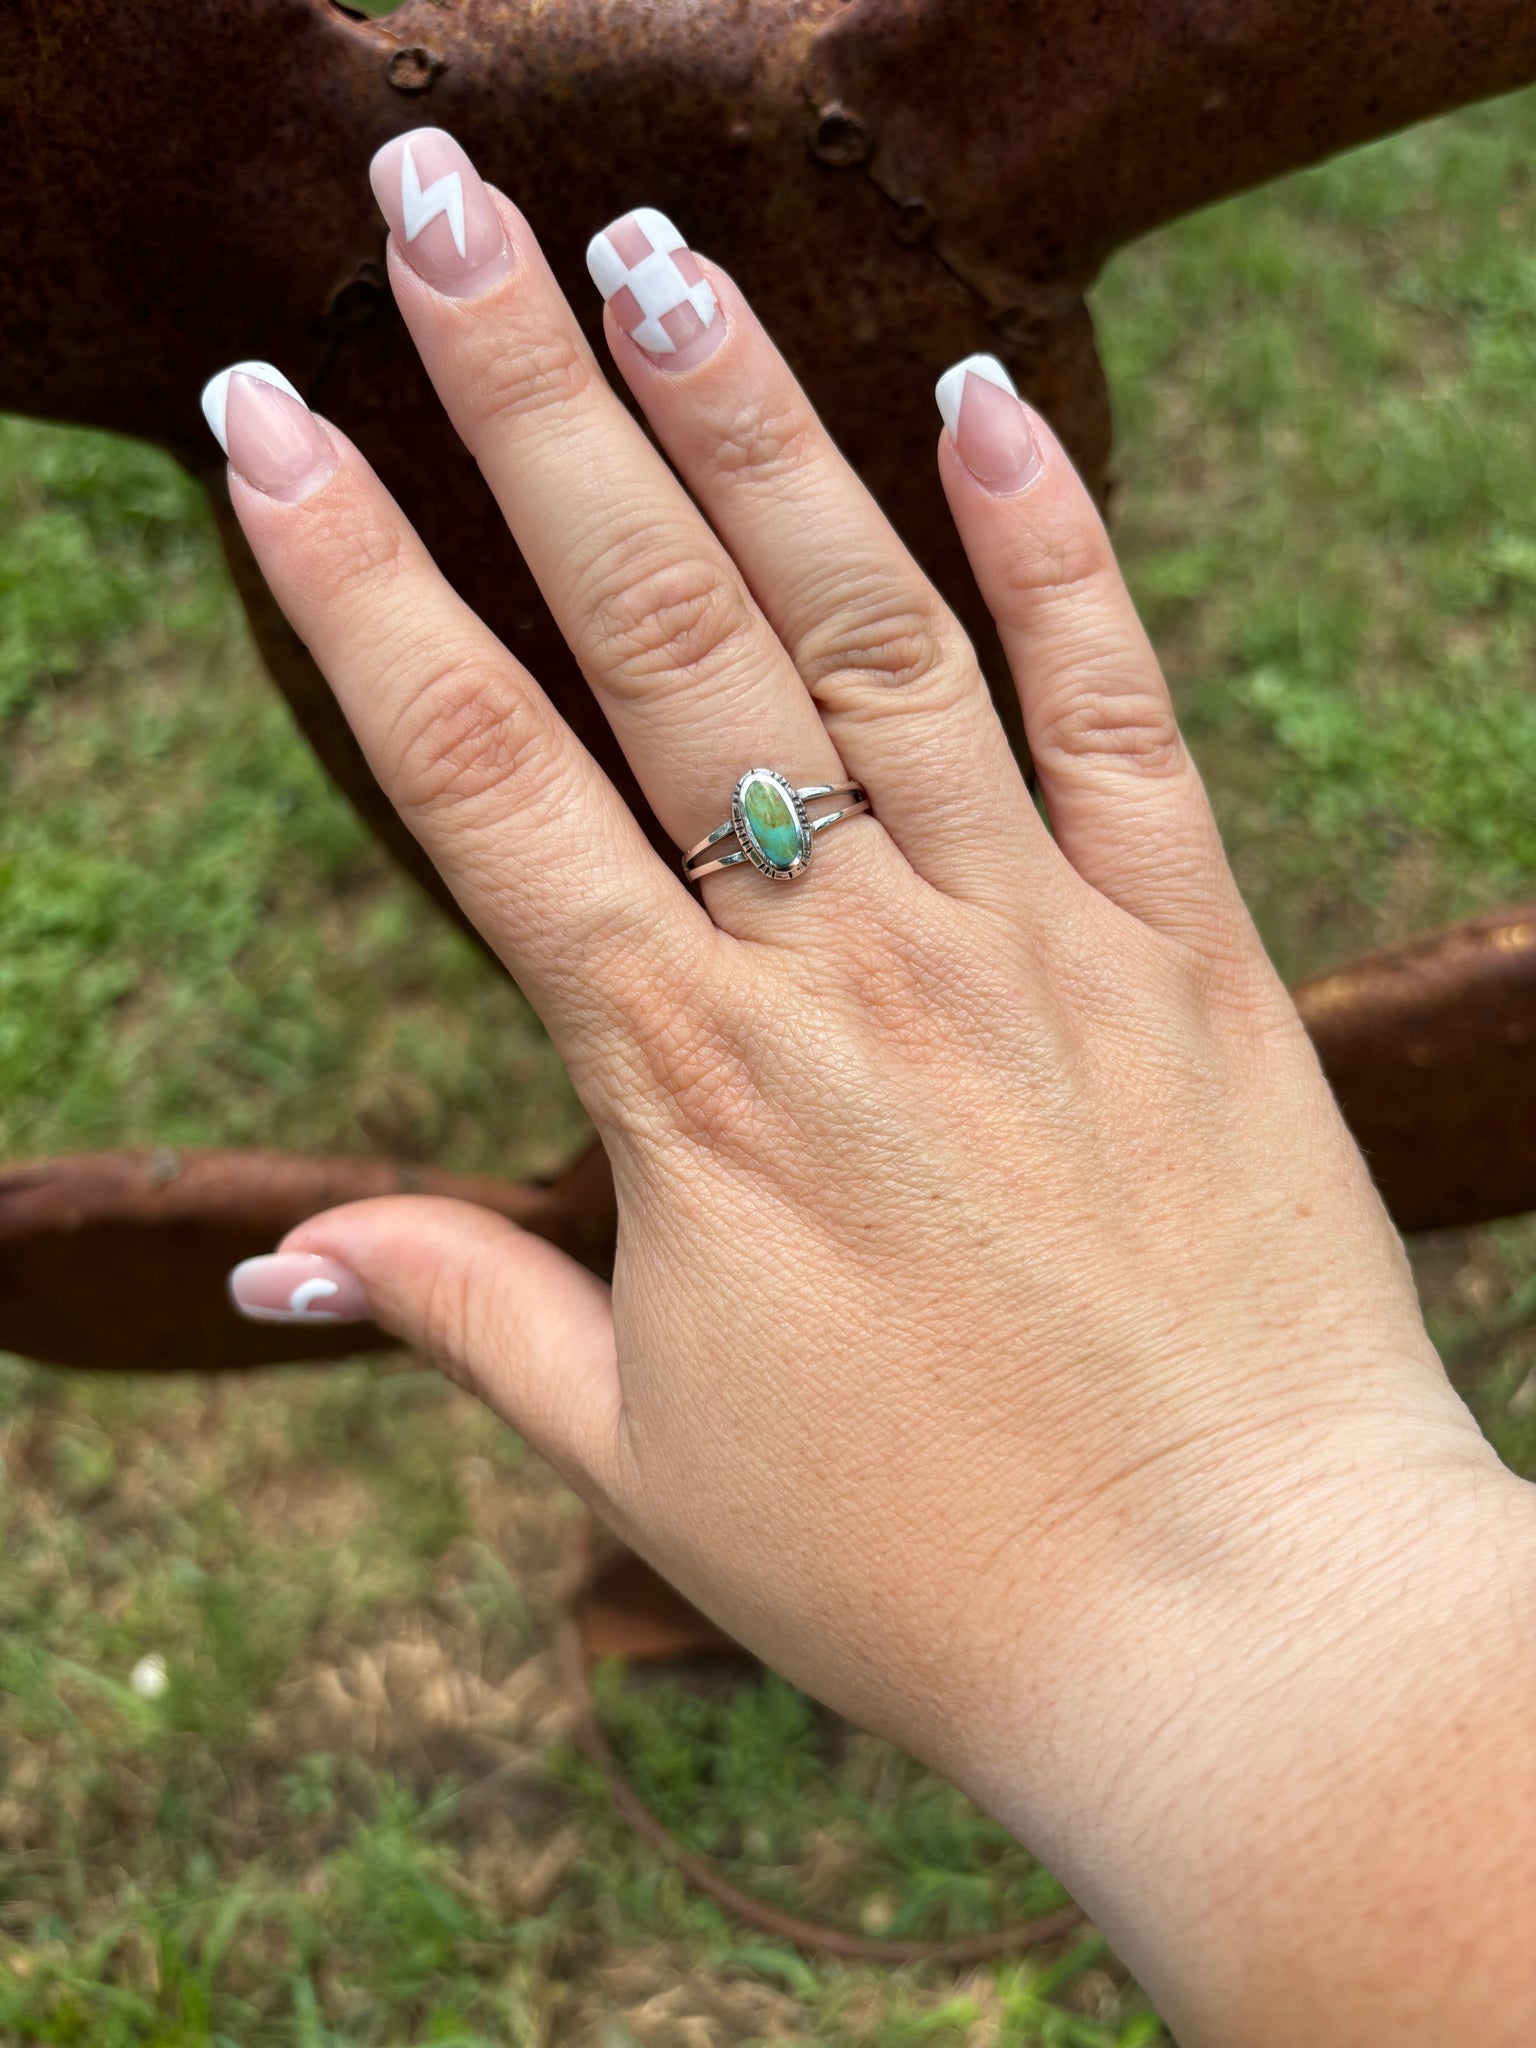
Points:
(445, 195)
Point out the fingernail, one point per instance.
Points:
(267, 431)
(652, 280)
(988, 424)
(297, 1287)
(440, 213)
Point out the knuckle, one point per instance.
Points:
(1239, 992)
(352, 559)
(712, 1095)
(762, 443)
(621, 972)
(1057, 564)
(687, 1075)
(892, 984)
(539, 370)
(654, 619)
(876, 647)
(1107, 717)
(465, 732)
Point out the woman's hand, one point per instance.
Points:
(1006, 1340)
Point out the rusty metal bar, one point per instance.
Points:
(1431, 1050)
(118, 1259)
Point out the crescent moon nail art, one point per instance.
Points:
(297, 1287)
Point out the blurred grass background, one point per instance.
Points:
(353, 1815)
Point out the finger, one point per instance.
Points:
(530, 835)
(687, 670)
(507, 1315)
(888, 664)
(1124, 798)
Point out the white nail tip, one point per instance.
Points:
(661, 233)
(605, 266)
(950, 388)
(216, 394)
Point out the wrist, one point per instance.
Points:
(1283, 1772)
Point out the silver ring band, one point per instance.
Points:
(772, 826)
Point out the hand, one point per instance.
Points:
(1005, 1339)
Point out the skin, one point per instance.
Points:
(1006, 1341)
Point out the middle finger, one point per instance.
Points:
(693, 680)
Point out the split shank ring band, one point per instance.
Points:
(771, 825)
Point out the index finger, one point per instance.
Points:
(527, 831)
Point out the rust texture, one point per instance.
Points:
(896, 183)
(78, 1237)
(1431, 1050)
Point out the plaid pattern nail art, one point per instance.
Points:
(646, 272)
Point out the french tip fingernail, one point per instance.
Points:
(653, 282)
(267, 431)
(297, 1287)
(988, 423)
(950, 389)
(216, 394)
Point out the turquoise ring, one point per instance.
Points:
(772, 825)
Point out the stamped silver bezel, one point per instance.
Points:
(749, 845)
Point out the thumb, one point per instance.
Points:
(512, 1318)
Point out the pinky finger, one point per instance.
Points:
(1124, 798)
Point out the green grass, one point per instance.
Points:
(355, 1815)
(197, 939)
(1327, 434)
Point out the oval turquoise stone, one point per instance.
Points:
(774, 828)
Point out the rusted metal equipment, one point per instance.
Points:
(1431, 1051)
(79, 1235)
(895, 182)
